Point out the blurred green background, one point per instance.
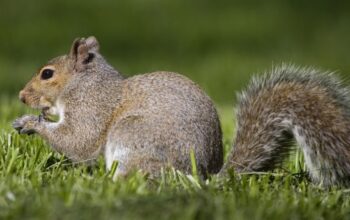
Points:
(218, 44)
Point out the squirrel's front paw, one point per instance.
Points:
(26, 124)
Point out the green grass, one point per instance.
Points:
(218, 44)
(37, 183)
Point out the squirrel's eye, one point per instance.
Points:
(46, 74)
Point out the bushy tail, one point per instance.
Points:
(301, 104)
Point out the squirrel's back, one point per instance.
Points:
(301, 104)
(160, 118)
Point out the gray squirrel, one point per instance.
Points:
(155, 120)
(144, 122)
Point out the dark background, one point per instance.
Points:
(218, 44)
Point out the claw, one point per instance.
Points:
(17, 125)
(24, 125)
(27, 131)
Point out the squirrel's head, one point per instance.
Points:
(42, 91)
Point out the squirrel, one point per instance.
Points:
(146, 122)
(155, 120)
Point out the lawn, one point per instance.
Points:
(217, 44)
(38, 183)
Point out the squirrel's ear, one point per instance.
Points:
(74, 49)
(83, 51)
(92, 43)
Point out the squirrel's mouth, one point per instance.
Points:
(38, 103)
(45, 110)
(50, 114)
(44, 105)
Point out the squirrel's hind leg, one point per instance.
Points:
(131, 159)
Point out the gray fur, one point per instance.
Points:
(302, 104)
(145, 122)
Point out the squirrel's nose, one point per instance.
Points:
(22, 96)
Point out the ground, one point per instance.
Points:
(38, 183)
